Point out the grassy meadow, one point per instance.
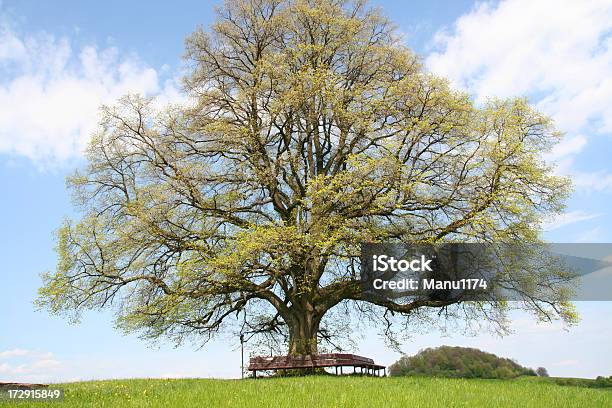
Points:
(328, 391)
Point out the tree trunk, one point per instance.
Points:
(303, 334)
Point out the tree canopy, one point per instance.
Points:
(309, 128)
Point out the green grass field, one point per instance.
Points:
(328, 391)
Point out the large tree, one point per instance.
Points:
(308, 128)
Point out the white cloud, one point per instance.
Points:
(13, 353)
(50, 92)
(562, 49)
(567, 147)
(21, 365)
(558, 53)
(593, 181)
(571, 217)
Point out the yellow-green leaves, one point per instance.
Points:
(310, 129)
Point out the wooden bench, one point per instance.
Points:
(336, 360)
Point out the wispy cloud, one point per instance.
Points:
(568, 218)
(558, 53)
(23, 365)
(50, 92)
(593, 181)
(13, 353)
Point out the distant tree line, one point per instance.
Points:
(458, 362)
(599, 382)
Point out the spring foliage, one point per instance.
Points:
(310, 128)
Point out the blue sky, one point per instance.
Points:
(60, 60)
